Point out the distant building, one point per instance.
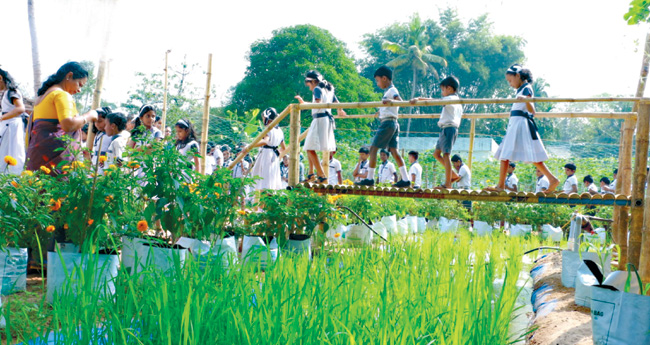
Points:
(484, 148)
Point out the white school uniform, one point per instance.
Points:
(363, 168)
(238, 170)
(12, 136)
(105, 141)
(149, 134)
(416, 169)
(542, 184)
(186, 149)
(386, 172)
(116, 148)
(518, 145)
(465, 181)
(267, 163)
(391, 94)
(335, 168)
(284, 174)
(592, 189)
(210, 164)
(512, 181)
(570, 181)
(613, 185)
(321, 131)
(451, 113)
(602, 191)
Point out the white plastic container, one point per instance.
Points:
(64, 268)
(13, 270)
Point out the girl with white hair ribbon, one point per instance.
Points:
(267, 163)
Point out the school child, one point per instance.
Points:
(101, 142)
(448, 123)
(605, 186)
(130, 122)
(240, 169)
(588, 182)
(321, 131)
(144, 129)
(115, 130)
(225, 152)
(542, 182)
(284, 171)
(334, 177)
(465, 176)
(186, 142)
(84, 135)
(571, 183)
(210, 161)
(361, 170)
(416, 169)
(218, 156)
(386, 170)
(267, 163)
(522, 142)
(12, 128)
(512, 181)
(387, 135)
(158, 123)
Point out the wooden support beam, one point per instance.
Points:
(472, 131)
(206, 116)
(97, 99)
(163, 118)
(294, 145)
(543, 115)
(638, 185)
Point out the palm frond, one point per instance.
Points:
(399, 61)
(392, 47)
(430, 58)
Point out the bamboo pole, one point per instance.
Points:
(164, 109)
(472, 130)
(97, 99)
(644, 260)
(638, 185)
(206, 116)
(261, 136)
(471, 116)
(300, 139)
(428, 103)
(294, 146)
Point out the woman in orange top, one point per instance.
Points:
(55, 115)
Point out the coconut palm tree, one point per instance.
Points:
(36, 61)
(416, 55)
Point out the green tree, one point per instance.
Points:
(638, 12)
(277, 67)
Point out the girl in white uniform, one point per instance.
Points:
(186, 141)
(101, 141)
(321, 131)
(267, 163)
(12, 131)
(522, 142)
(144, 129)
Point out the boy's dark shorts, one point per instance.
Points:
(447, 139)
(387, 135)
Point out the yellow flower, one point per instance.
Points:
(50, 228)
(55, 205)
(112, 167)
(77, 164)
(217, 195)
(10, 160)
(133, 165)
(347, 182)
(143, 226)
(27, 173)
(45, 169)
(14, 183)
(218, 185)
(337, 235)
(102, 159)
(66, 167)
(241, 212)
(109, 198)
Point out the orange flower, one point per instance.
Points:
(45, 169)
(143, 226)
(102, 159)
(27, 173)
(218, 185)
(50, 228)
(109, 198)
(77, 164)
(217, 194)
(66, 167)
(90, 222)
(65, 226)
(14, 183)
(241, 212)
(337, 235)
(10, 160)
(133, 165)
(55, 205)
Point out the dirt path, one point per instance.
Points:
(567, 323)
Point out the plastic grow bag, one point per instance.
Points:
(571, 261)
(256, 251)
(448, 225)
(13, 270)
(390, 223)
(549, 231)
(299, 244)
(520, 229)
(482, 228)
(585, 279)
(161, 258)
(358, 235)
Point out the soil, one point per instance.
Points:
(33, 296)
(568, 323)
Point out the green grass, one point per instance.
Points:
(436, 289)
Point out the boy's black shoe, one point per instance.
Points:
(365, 182)
(402, 184)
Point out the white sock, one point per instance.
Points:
(371, 174)
(404, 173)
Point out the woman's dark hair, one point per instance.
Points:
(145, 108)
(119, 119)
(191, 135)
(8, 79)
(77, 70)
(588, 178)
(524, 73)
(322, 83)
(606, 180)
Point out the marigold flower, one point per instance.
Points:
(66, 167)
(90, 222)
(218, 185)
(109, 198)
(27, 173)
(77, 164)
(45, 169)
(241, 212)
(65, 226)
(14, 183)
(10, 160)
(112, 167)
(102, 159)
(55, 205)
(217, 194)
(337, 235)
(50, 228)
(143, 226)
(133, 165)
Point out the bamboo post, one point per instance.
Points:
(97, 99)
(638, 185)
(164, 109)
(294, 146)
(472, 130)
(206, 116)
(644, 260)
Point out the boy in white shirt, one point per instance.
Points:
(465, 181)
(606, 186)
(571, 183)
(334, 176)
(416, 169)
(589, 185)
(512, 181)
(386, 170)
(449, 123)
(115, 129)
(387, 135)
(542, 182)
(362, 170)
